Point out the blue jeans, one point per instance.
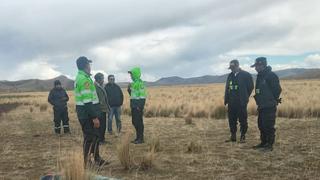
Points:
(114, 111)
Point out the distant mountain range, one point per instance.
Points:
(45, 85)
(298, 73)
(34, 84)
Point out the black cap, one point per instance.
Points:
(234, 62)
(57, 82)
(260, 61)
(82, 61)
(98, 76)
(110, 76)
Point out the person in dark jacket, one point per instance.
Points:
(115, 100)
(267, 96)
(239, 87)
(104, 106)
(58, 98)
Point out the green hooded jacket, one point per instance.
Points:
(137, 89)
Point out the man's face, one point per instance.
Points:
(111, 80)
(88, 68)
(234, 68)
(101, 80)
(259, 67)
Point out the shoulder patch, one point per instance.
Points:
(87, 85)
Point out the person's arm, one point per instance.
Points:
(226, 93)
(129, 89)
(274, 83)
(50, 98)
(121, 95)
(250, 84)
(66, 96)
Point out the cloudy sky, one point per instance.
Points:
(42, 38)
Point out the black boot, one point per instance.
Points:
(242, 138)
(262, 144)
(259, 146)
(101, 162)
(267, 148)
(233, 138)
(57, 130)
(269, 145)
(66, 130)
(139, 141)
(136, 139)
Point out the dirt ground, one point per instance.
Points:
(29, 148)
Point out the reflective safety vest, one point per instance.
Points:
(233, 86)
(138, 90)
(85, 90)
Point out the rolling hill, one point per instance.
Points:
(46, 85)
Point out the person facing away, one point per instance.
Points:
(267, 96)
(115, 100)
(104, 106)
(88, 111)
(239, 87)
(138, 94)
(58, 98)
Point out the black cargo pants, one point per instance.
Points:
(266, 123)
(236, 112)
(137, 121)
(61, 114)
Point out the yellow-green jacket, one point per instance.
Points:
(87, 102)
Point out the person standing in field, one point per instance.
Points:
(138, 94)
(104, 106)
(88, 111)
(239, 87)
(58, 98)
(115, 100)
(267, 96)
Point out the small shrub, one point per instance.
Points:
(43, 107)
(73, 167)
(154, 144)
(219, 112)
(147, 161)
(123, 152)
(194, 147)
(201, 114)
(188, 120)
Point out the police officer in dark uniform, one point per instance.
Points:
(267, 95)
(239, 87)
(58, 98)
(88, 111)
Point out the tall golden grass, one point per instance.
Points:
(203, 101)
(206, 101)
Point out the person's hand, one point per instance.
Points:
(96, 123)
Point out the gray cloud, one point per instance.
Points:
(182, 37)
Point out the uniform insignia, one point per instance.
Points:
(87, 85)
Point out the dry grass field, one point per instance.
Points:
(185, 130)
